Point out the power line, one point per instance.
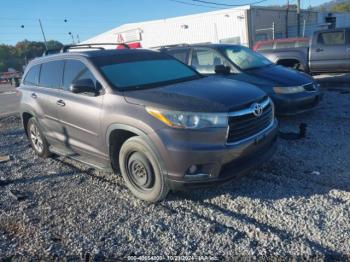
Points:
(186, 3)
(216, 5)
(53, 27)
(73, 20)
(51, 32)
(228, 5)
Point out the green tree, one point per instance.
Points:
(52, 44)
(19, 55)
(27, 50)
(341, 7)
(9, 58)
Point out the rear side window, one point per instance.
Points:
(331, 38)
(75, 70)
(32, 77)
(51, 74)
(181, 55)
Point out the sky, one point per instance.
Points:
(88, 18)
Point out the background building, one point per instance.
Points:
(243, 25)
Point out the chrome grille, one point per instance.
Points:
(244, 124)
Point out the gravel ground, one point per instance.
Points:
(298, 204)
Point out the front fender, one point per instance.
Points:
(138, 132)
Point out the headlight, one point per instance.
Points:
(288, 89)
(188, 120)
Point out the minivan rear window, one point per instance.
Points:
(32, 77)
(147, 73)
(51, 74)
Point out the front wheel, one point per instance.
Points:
(141, 171)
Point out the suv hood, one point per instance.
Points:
(274, 75)
(208, 94)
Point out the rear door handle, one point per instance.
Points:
(33, 95)
(319, 50)
(60, 103)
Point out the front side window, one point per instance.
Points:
(140, 74)
(331, 38)
(51, 74)
(75, 70)
(32, 77)
(245, 58)
(204, 60)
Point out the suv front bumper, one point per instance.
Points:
(218, 165)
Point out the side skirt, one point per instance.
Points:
(100, 164)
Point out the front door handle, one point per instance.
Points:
(60, 103)
(319, 50)
(33, 95)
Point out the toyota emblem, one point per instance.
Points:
(257, 109)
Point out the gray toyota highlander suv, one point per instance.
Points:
(147, 115)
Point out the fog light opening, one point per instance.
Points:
(192, 169)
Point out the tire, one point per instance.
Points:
(37, 140)
(141, 170)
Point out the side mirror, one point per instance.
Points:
(83, 86)
(222, 70)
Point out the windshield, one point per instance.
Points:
(245, 58)
(147, 73)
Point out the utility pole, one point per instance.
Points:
(298, 16)
(287, 11)
(42, 31)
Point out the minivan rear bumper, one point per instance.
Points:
(216, 166)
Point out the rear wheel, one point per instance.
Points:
(37, 140)
(141, 170)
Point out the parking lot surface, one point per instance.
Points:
(297, 204)
(9, 101)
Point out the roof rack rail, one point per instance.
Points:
(81, 46)
(174, 45)
(51, 51)
(92, 45)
